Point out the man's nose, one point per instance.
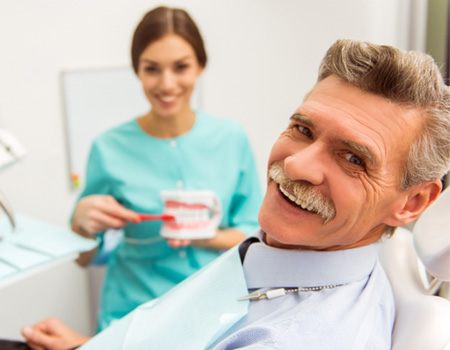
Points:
(307, 164)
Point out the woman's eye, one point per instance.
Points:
(305, 131)
(354, 159)
(181, 67)
(151, 69)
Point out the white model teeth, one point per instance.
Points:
(183, 215)
(296, 200)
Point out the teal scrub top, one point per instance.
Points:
(134, 167)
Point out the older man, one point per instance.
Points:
(363, 154)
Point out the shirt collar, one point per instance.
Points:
(266, 266)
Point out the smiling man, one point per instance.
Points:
(336, 171)
(363, 154)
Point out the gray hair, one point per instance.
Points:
(409, 78)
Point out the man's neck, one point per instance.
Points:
(373, 236)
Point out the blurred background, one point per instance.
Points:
(263, 57)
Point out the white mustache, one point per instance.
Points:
(305, 195)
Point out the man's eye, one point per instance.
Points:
(305, 131)
(354, 159)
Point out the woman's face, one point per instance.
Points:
(168, 69)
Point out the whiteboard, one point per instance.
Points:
(94, 101)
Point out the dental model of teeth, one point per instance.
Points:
(192, 221)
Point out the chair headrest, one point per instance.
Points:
(432, 237)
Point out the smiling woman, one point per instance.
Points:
(168, 56)
(131, 165)
(168, 70)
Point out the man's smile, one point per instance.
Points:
(301, 195)
(298, 201)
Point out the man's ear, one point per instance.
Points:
(417, 199)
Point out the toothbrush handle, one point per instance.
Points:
(162, 217)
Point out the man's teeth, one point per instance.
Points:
(296, 200)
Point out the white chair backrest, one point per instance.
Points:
(422, 320)
(432, 237)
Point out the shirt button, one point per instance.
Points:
(180, 184)
(173, 144)
(182, 254)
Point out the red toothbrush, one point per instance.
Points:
(162, 217)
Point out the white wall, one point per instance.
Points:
(263, 55)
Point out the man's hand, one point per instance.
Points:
(52, 334)
(97, 213)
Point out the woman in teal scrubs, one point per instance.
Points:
(172, 147)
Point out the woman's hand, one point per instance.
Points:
(224, 239)
(97, 213)
(52, 334)
(179, 243)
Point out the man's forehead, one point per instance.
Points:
(384, 127)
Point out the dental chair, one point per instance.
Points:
(417, 264)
